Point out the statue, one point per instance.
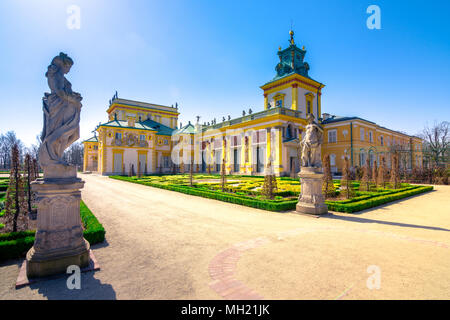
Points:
(311, 144)
(59, 240)
(311, 200)
(62, 109)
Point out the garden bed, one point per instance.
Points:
(246, 191)
(16, 244)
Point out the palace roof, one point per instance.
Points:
(93, 139)
(334, 119)
(187, 129)
(148, 124)
(291, 61)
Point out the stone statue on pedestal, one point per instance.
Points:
(59, 238)
(311, 199)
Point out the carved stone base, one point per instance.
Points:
(42, 267)
(311, 200)
(59, 240)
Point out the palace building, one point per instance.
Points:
(146, 137)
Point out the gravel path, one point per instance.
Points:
(162, 245)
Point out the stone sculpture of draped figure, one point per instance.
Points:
(62, 109)
(311, 144)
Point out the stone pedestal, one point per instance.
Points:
(311, 199)
(59, 239)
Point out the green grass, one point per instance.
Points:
(245, 190)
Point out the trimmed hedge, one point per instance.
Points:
(376, 201)
(219, 195)
(93, 230)
(16, 244)
(364, 201)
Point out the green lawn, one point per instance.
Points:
(246, 190)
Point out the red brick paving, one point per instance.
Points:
(222, 270)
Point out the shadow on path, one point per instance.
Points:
(91, 289)
(365, 220)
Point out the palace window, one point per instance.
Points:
(382, 140)
(308, 107)
(259, 136)
(279, 100)
(217, 144)
(332, 159)
(118, 136)
(370, 136)
(95, 147)
(166, 161)
(166, 142)
(371, 158)
(361, 133)
(332, 136)
(236, 141)
(142, 137)
(362, 158)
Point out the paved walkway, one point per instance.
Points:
(167, 245)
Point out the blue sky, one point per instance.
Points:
(212, 56)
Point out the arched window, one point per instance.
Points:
(371, 157)
(362, 157)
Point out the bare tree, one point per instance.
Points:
(327, 183)
(437, 142)
(375, 174)
(381, 175)
(74, 154)
(7, 141)
(346, 183)
(395, 179)
(15, 196)
(270, 182)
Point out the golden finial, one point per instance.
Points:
(303, 48)
(291, 33)
(279, 48)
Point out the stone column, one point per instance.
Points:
(268, 146)
(242, 165)
(277, 146)
(59, 240)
